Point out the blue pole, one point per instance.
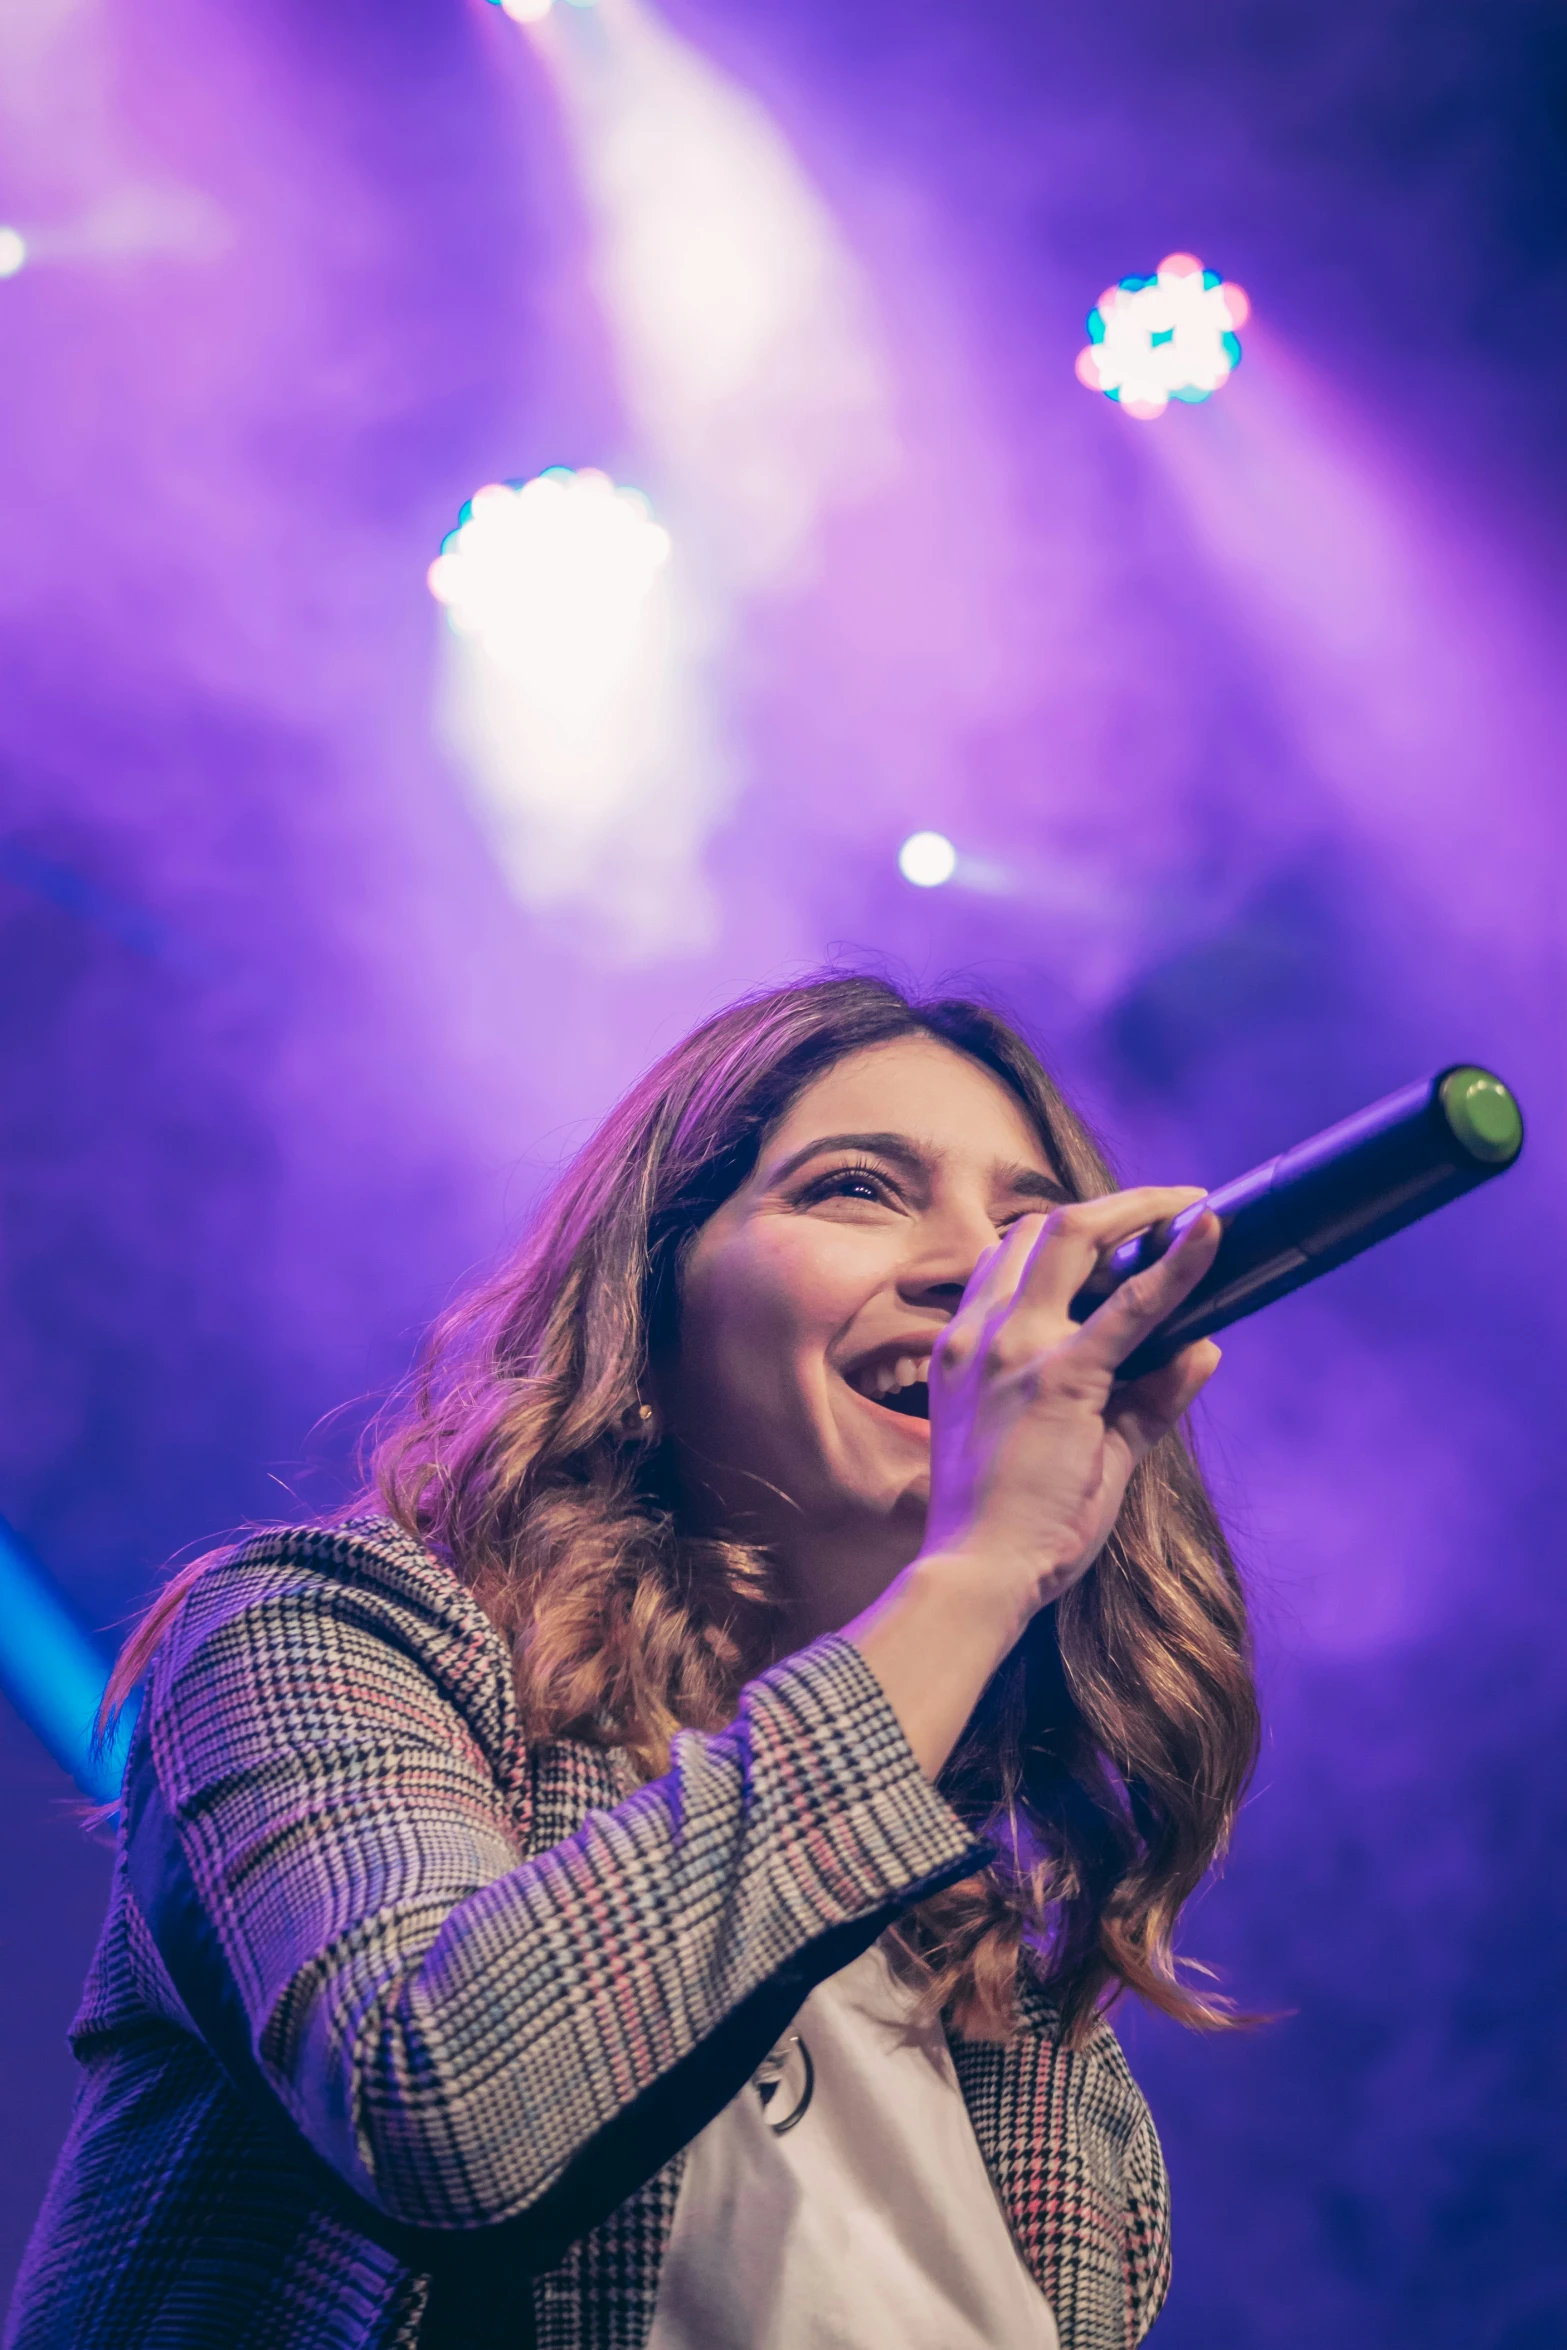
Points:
(55, 1673)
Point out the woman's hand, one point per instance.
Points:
(1032, 1444)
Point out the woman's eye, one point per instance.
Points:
(857, 1183)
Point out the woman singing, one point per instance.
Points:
(653, 1877)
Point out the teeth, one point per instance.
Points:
(886, 1378)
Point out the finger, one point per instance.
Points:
(1138, 1307)
(1148, 1408)
(1077, 1237)
(996, 1275)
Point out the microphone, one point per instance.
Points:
(1316, 1206)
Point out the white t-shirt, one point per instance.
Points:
(841, 2201)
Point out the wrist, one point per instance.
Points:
(979, 1594)
(933, 1639)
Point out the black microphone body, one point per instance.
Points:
(1315, 1206)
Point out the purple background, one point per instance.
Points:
(1255, 708)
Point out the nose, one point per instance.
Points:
(944, 1249)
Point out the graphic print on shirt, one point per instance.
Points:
(785, 2081)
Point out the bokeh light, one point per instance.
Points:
(1171, 336)
(551, 575)
(13, 251)
(534, 11)
(927, 859)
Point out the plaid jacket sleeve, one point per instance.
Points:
(471, 2039)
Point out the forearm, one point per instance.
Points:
(455, 2024)
(556, 2002)
(933, 1639)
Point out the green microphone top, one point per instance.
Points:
(1483, 1115)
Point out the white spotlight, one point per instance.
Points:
(13, 251)
(927, 859)
(748, 356)
(755, 389)
(551, 575)
(535, 11)
(560, 696)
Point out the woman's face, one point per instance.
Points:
(811, 1301)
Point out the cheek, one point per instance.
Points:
(757, 1315)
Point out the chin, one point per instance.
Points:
(905, 1508)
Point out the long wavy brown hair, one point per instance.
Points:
(1109, 1754)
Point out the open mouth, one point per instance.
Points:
(901, 1386)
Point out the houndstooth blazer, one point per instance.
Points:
(398, 2027)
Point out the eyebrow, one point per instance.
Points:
(1023, 1182)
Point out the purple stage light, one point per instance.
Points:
(13, 251)
(1171, 336)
